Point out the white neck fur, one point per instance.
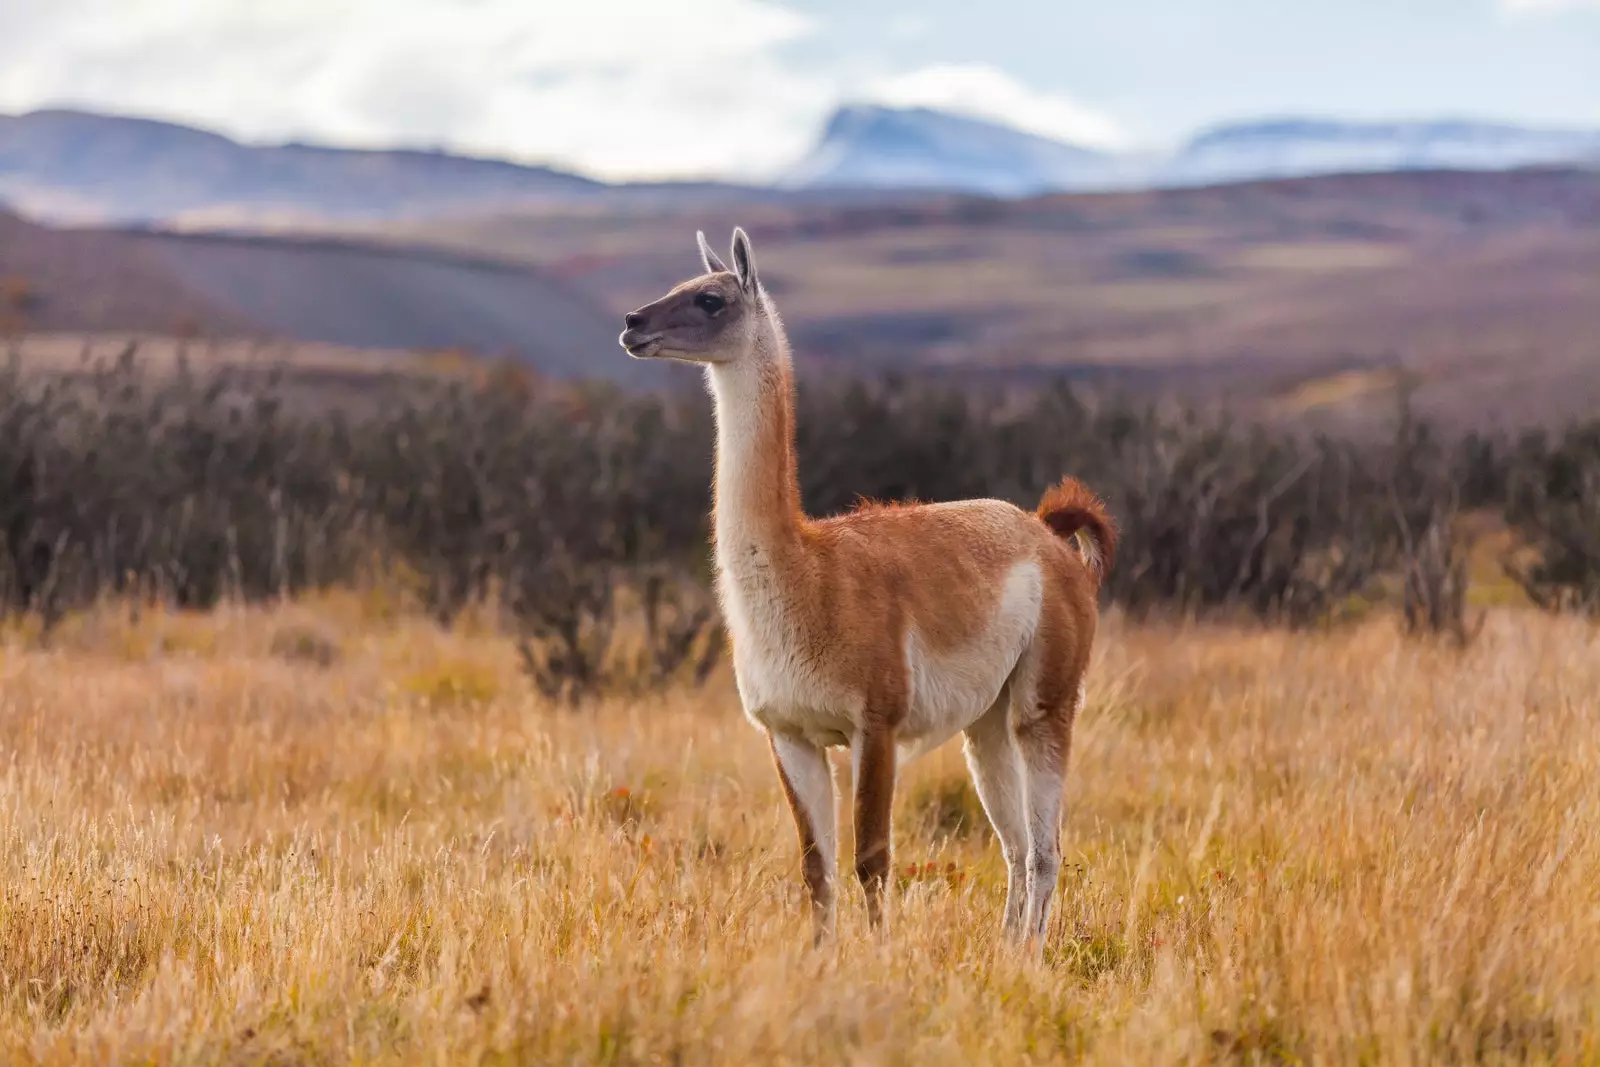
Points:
(757, 496)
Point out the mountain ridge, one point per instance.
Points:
(868, 144)
(1292, 147)
(64, 165)
(922, 148)
(69, 166)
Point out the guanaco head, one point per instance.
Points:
(710, 319)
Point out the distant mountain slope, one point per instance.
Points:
(1481, 283)
(84, 280)
(99, 281)
(916, 148)
(77, 165)
(362, 296)
(1291, 148)
(878, 147)
(80, 168)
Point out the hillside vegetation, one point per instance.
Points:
(192, 486)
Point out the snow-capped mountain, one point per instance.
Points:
(1300, 147)
(917, 148)
(878, 147)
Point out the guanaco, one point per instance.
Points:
(891, 628)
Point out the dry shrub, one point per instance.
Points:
(1554, 500)
(303, 643)
(586, 636)
(190, 487)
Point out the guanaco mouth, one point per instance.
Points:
(640, 347)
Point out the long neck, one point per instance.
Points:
(757, 488)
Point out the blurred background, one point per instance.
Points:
(1292, 200)
(1227, 259)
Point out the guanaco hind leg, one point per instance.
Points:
(1044, 757)
(1046, 692)
(997, 772)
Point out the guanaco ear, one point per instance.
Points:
(744, 263)
(708, 257)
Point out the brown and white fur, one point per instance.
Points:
(889, 629)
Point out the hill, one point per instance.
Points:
(87, 280)
(1309, 299)
(1481, 284)
(81, 167)
(316, 290)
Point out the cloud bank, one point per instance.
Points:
(621, 88)
(725, 88)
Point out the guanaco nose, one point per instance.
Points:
(633, 320)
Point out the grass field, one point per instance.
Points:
(325, 834)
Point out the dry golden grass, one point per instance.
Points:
(312, 836)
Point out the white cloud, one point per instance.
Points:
(1525, 8)
(617, 87)
(983, 91)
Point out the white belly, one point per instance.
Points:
(783, 690)
(950, 690)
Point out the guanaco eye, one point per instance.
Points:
(710, 303)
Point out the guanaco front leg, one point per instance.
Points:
(808, 783)
(874, 759)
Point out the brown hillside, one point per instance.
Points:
(302, 290)
(85, 280)
(1308, 299)
(1481, 285)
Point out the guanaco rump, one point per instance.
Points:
(891, 628)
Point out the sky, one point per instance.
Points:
(739, 88)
